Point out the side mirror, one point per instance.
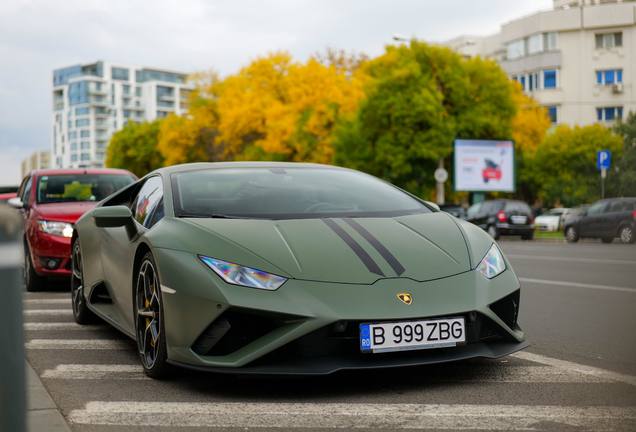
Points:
(432, 204)
(115, 217)
(15, 202)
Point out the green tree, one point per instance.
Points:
(418, 100)
(625, 172)
(565, 167)
(135, 148)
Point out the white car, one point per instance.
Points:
(550, 220)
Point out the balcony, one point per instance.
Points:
(99, 101)
(58, 106)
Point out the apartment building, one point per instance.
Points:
(94, 100)
(39, 159)
(578, 59)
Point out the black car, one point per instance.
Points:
(605, 219)
(455, 209)
(503, 217)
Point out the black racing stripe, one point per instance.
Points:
(388, 256)
(362, 254)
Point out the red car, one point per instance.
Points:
(50, 201)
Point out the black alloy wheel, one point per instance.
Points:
(81, 313)
(150, 327)
(627, 235)
(572, 235)
(33, 281)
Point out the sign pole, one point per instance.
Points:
(603, 174)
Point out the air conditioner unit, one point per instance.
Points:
(617, 88)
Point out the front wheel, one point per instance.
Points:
(572, 235)
(607, 239)
(81, 313)
(627, 235)
(33, 281)
(150, 326)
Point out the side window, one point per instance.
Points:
(614, 207)
(597, 208)
(487, 207)
(473, 209)
(147, 200)
(26, 195)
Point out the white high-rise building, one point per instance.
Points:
(92, 101)
(578, 60)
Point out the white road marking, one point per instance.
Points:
(48, 312)
(65, 300)
(583, 260)
(110, 372)
(64, 326)
(575, 367)
(354, 416)
(79, 344)
(578, 285)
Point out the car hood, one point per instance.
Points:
(68, 212)
(363, 250)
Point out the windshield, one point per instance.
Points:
(289, 193)
(79, 187)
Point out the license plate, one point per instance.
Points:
(412, 335)
(519, 219)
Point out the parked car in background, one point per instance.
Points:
(570, 213)
(503, 217)
(6, 197)
(50, 201)
(550, 220)
(455, 209)
(605, 219)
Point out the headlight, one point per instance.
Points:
(244, 276)
(61, 229)
(492, 264)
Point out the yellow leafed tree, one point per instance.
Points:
(281, 110)
(531, 122)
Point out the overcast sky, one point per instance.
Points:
(37, 36)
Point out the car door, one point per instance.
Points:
(590, 224)
(118, 250)
(610, 219)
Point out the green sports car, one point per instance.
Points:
(283, 268)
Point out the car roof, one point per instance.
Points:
(63, 171)
(219, 165)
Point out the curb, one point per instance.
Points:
(42, 413)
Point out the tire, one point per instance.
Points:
(493, 232)
(149, 324)
(572, 235)
(81, 313)
(527, 236)
(607, 239)
(627, 235)
(33, 281)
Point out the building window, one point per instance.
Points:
(101, 144)
(70, 124)
(81, 111)
(516, 49)
(72, 135)
(126, 113)
(552, 114)
(86, 156)
(73, 146)
(549, 78)
(82, 122)
(609, 113)
(162, 114)
(86, 145)
(609, 77)
(85, 134)
(609, 40)
(126, 89)
(533, 81)
(139, 113)
(120, 74)
(99, 156)
(549, 41)
(73, 158)
(533, 44)
(138, 91)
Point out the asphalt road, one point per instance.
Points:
(578, 304)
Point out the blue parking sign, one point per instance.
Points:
(603, 159)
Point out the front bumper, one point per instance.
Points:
(294, 330)
(45, 247)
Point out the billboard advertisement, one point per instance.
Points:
(484, 166)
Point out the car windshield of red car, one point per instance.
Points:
(78, 187)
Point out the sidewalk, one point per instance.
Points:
(42, 413)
